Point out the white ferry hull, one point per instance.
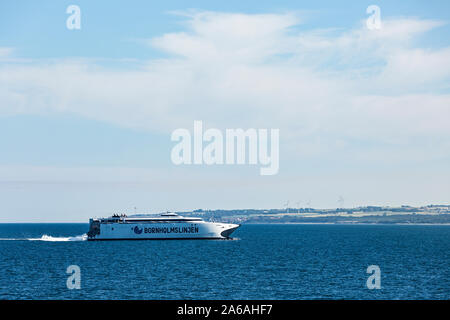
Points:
(163, 231)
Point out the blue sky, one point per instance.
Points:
(111, 29)
(86, 115)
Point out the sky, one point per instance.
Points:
(86, 115)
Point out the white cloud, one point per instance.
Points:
(416, 69)
(228, 37)
(240, 70)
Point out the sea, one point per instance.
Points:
(263, 261)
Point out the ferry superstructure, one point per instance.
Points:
(165, 226)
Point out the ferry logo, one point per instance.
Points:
(137, 230)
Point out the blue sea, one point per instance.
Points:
(263, 262)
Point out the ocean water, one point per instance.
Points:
(263, 262)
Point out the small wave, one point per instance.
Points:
(46, 237)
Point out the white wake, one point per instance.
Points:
(46, 237)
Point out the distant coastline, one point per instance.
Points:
(404, 215)
(369, 215)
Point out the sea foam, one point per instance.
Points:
(46, 237)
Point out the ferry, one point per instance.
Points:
(165, 226)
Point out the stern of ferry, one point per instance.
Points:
(94, 229)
